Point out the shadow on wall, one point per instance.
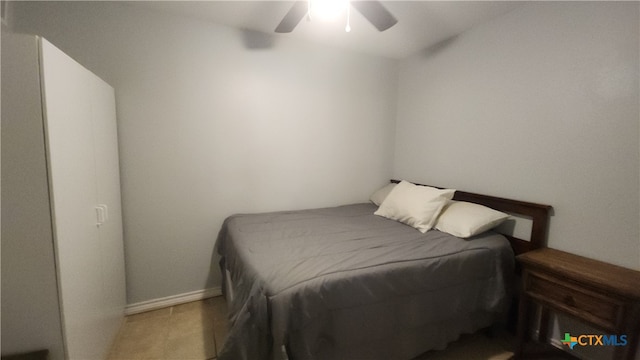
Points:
(438, 47)
(257, 40)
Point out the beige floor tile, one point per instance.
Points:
(189, 322)
(156, 326)
(142, 338)
(182, 332)
(191, 346)
(148, 346)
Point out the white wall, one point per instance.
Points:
(545, 96)
(208, 127)
(542, 105)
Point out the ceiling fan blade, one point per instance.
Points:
(293, 17)
(376, 13)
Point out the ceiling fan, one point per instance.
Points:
(373, 11)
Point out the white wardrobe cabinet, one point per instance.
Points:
(63, 276)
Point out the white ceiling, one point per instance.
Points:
(421, 24)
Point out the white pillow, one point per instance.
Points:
(464, 219)
(416, 206)
(379, 195)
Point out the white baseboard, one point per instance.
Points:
(172, 300)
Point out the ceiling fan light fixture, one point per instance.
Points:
(327, 10)
(372, 10)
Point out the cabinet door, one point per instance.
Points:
(72, 180)
(108, 195)
(30, 307)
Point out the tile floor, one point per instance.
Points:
(191, 331)
(196, 330)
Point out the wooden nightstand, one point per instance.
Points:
(603, 295)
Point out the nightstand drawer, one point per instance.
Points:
(602, 295)
(598, 308)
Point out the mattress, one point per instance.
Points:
(343, 283)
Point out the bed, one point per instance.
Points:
(344, 283)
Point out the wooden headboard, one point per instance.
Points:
(538, 213)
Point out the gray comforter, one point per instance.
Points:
(342, 283)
